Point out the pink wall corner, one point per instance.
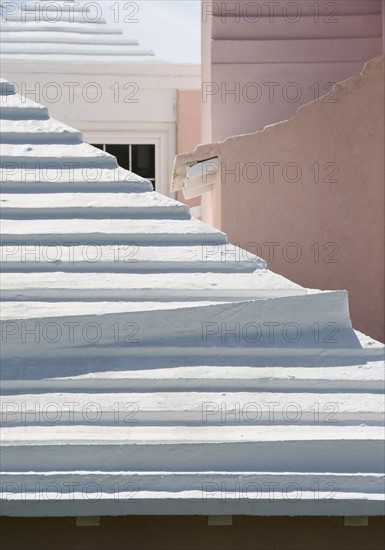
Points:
(317, 181)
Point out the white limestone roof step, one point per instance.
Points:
(109, 231)
(38, 131)
(175, 329)
(310, 307)
(47, 5)
(74, 58)
(126, 501)
(54, 179)
(65, 156)
(16, 107)
(62, 5)
(188, 435)
(84, 49)
(149, 286)
(362, 377)
(74, 205)
(146, 372)
(68, 17)
(120, 356)
(6, 87)
(39, 31)
(129, 258)
(45, 29)
(265, 448)
(193, 409)
(70, 200)
(194, 480)
(67, 5)
(67, 36)
(34, 310)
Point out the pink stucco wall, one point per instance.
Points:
(188, 134)
(263, 60)
(189, 120)
(308, 194)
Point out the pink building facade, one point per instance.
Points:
(263, 60)
(307, 192)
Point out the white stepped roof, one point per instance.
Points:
(67, 30)
(155, 355)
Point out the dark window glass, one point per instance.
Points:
(143, 160)
(121, 154)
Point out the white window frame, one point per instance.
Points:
(163, 139)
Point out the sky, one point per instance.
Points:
(169, 27)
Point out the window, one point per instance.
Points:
(139, 159)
